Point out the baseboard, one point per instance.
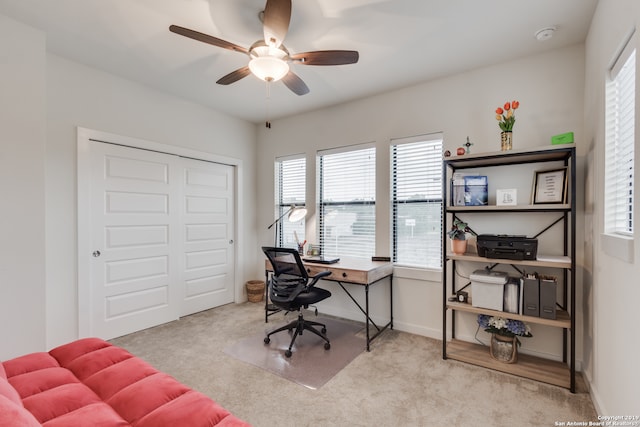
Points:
(382, 320)
(418, 330)
(593, 392)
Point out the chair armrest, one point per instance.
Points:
(317, 277)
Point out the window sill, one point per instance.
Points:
(620, 247)
(415, 273)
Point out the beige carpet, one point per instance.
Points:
(310, 365)
(402, 381)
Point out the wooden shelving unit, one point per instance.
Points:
(562, 320)
(535, 368)
(563, 373)
(553, 261)
(519, 208)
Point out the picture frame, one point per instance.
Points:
(550, 186)
(506, 197)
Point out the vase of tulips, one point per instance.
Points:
(506, 119)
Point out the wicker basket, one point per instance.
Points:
(255, 290)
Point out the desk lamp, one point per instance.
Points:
(296, 213)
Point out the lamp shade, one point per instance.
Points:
(297, 213)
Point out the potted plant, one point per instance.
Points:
(458, 235)
(504, 336)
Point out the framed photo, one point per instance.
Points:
(506, 197)
(550, 186)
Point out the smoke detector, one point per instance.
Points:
(545, 33)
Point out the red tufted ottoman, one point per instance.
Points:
(91, 382)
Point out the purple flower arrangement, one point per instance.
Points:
(502, 326)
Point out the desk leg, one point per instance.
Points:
(390, 302)
(368, 321)
(366, 304)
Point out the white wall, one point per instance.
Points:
(85, 97)
(612, 290)
(22, 206)
(48, 98)
(550, 90)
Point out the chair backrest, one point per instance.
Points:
(289, 277)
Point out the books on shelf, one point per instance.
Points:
(457, 189)
(469, 190)
(476, 191)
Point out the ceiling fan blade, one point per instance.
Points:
(295, 83)
(234, 76)
(205, 38)
(277, 15)
(327, 57)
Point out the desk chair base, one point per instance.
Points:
(300, 325)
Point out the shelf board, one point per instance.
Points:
(562, 320)
(512, 157)
(536, 368)
(554, 261)
(556, 207)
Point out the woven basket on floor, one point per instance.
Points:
(255, 290)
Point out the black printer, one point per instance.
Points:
(507, 246)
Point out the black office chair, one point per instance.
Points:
(291, 289)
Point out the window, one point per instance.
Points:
(416, 201)
(347, 198)
(619, 144)
(290, 190)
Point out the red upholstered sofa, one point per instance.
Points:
(90, 382)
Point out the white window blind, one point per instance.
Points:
(620, 143)
(347, 197)
(416, 201)
(290, 190)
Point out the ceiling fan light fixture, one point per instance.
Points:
(268, 68)
(269, 59)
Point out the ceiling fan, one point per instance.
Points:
(269, 58)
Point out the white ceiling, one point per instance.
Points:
(401, 43)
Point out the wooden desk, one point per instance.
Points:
(352, 271)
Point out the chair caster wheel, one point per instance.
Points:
(327, 346)
(324, 330)
(288, 353)
(267, 340)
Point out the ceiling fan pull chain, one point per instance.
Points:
(268, 122)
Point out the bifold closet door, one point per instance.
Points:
(161, 231)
